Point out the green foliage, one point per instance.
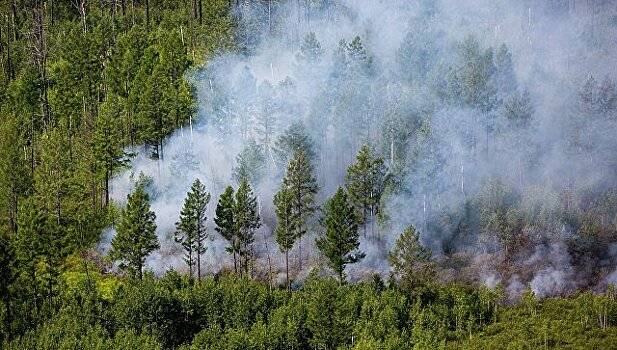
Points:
(293, 140)
(76, 89)
(341, 239)
(302, 186)
(365, 182)
(250, 163)
(229, 312)
(246, 220)
(310, 50)
(136, 233)
(191, 229)
(410, 260)
(285, 232)
(225, 223)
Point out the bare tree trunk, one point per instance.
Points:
(51, 12)
(190, 263)
(147, 15)
(113, 16)
(133, 12)
(9, 62)
(39, 56)
(287, 270)
(199, 262)
(235, 262)
(14, 18)
(106, 188)
(200, 12)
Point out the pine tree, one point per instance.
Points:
(14, 178)
(28, 246)
(286, 226)
(302, 187)
(200, 200)
(108, 149)
(361, 60)
(250, 163)
(38, 245)
(246, 219)
(341, 240)
(225, 223)
(310, 50)
(409, 258)
(136, 233)
(294, 139)
(365, 182)
(191, 229)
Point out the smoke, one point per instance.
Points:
(398, 92)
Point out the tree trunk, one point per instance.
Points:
(51, 12)
(113, 16)
(235, 262)
(9, 63)
(107, 188)
(190, 263)
(15, 25)
(200, 12)
(287, 269)
(14, 207)
(39, 55)
(147, 15)
(198, 255)
(133, 12)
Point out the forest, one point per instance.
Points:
(308, 174)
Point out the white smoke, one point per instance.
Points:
(257, 97)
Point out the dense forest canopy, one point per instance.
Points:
(212, 174)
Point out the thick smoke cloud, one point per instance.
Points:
(412, 87)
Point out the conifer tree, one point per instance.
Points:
(225, 223)
(286, 226)
(38, 248)
(246, 219)
(14, 178)
(136, 233)
(107, 146)
(250, 163)
(409, 258)
(302, 187)
(294, 139)
(191, 229)
(365, 182)
(310, 50)
(341, 240)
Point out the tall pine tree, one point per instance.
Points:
(285, 231)
(225, 223)
(341, 240)
(409, 259)
(246, 219)
(136, 233)
(365, 182)
(191, 229)
(302, 187)
(108, 151)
